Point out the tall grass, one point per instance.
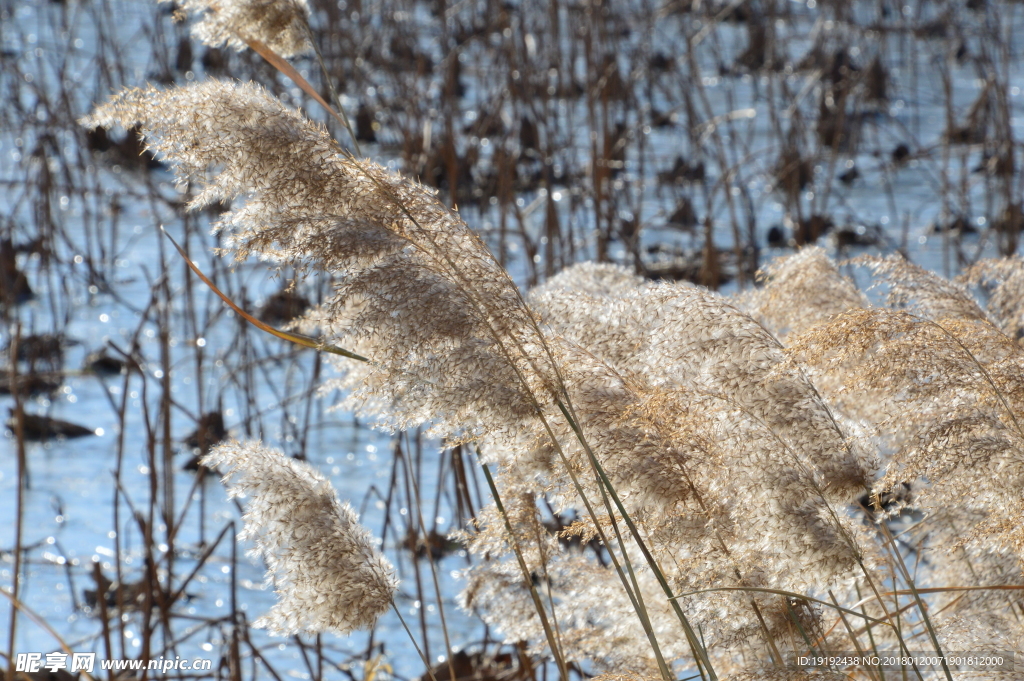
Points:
(678, 483)
(687, 419)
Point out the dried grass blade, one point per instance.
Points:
(563, 670)
(287, 69)
(849, 630)
(921, 606)
(296, 338)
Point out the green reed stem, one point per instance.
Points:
(700, 653)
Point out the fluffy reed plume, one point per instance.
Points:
(446, 332)
(282, 25)
(943, 393)
(596, 622)
(808, 276)
(1003, 280)
(937, 387)
(922, 292)
(590, 297)
(748, 472)
(324, 566)
(695, 336)
(678, 336)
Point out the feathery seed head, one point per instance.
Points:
(810, 277)
(417, 292)
(328, 574)
(282, 25)
(920, 291)
(1003, 279)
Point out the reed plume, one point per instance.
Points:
(921, 292)
(1003, 282)
(939, 389)
(282, 25)
(808, 276)
(721, 448)
(324, 566)
(416, 291)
